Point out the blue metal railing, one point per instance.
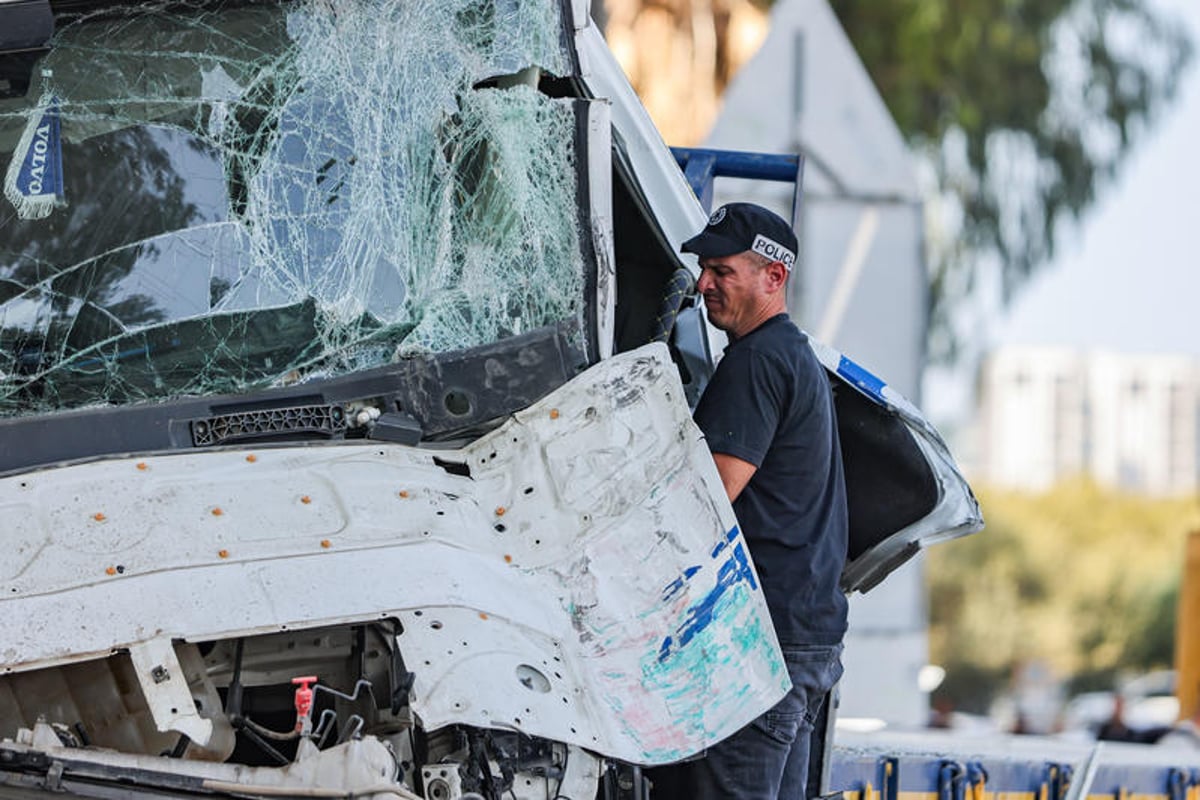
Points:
(702, 166)
(992, 769)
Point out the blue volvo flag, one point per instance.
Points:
(34, 182)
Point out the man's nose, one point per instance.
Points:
(704, 281)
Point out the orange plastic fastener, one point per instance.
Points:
(500, 511)
(110, 571)
(554, 413)
(507, 559)
(483, 615)
(404, 493)
(223, 554)
(306, 499)
(99, 517)
(252, 458)
(326, 543)
(216, 512)
(142, 465)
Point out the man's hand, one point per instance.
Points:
(735, 473)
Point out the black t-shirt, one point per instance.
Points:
(770, 404)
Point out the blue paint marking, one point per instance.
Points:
(675, 586)
(729, 537)
(861, 378)
(665, 650)
(734, 570)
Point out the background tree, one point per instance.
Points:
(1080, 578)
(1023, 108)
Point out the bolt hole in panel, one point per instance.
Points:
(532, 679)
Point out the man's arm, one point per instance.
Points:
(735, 473)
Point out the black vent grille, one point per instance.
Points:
(318, 419)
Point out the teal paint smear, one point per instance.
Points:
(697, 706)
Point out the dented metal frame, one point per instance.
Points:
(954, 512)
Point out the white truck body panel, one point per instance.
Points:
(548, 592)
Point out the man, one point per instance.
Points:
(769, 420)
(1114, 728)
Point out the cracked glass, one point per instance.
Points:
(205, 200)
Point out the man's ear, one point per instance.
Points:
(777, 275)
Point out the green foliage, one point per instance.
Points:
(1153, 640)
(1023, 108)
(1083, 578)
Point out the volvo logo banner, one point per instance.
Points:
(34, 182)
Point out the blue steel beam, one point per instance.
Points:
(702, 166)
(739, 164)
(700, 171)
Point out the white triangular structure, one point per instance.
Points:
(862, 286)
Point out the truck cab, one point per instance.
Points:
(346, 364)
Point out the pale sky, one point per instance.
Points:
(1131, 281)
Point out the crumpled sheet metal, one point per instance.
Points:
(586, 583)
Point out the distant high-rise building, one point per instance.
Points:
(1128, 421)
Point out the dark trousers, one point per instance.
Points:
(767, 759)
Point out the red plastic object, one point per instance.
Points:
(304, 700)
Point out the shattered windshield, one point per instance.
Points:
(202, 200)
